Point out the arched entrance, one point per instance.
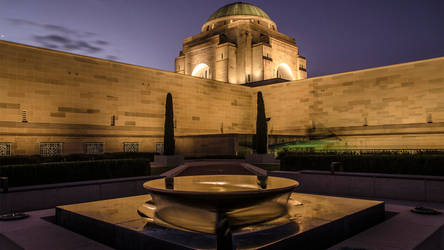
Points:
(284, 72)
(201, 70)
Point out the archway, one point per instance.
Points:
(201, 70)
(284, 72)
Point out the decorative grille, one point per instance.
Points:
(94, 148)
(51, 148)
(5, 149)
(130, 147)
(113, 120)
(159, 147)
(24, 116)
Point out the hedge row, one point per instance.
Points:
(412, 164)
(32, 159)
(215, 157)
(58, 172)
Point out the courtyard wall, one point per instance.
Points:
(392, 107)
(51, 96)
(48, 96)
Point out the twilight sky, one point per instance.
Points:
(335, 36)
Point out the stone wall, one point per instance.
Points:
(241, 51)
(392, 107)
(288, 105)
(288, 54)
(202, 53)
(50, 96)
(368, 185)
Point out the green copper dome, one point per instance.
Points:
(239, 8)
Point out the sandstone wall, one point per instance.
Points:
(50, 96)
(285, 53)
(397, 107)
(73, 99)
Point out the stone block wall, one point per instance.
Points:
(288, 106)
(288, 54)
(397, 94)
(50, 96)
(392, 107)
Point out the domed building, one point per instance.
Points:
(240, 43)
(57, 103)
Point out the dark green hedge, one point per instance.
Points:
(31, 159)
(58, 172)
(391, 163)
(215, 157)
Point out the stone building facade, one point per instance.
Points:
(241, 44)
(54, 102)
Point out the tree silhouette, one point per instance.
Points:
(261, 126)
(168, 136)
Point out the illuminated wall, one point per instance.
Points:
(49, 97)
(392, 107)
(76, 99)
(240, 51)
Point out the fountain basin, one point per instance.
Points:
(195, 203)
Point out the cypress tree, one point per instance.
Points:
(168, 136)
(261, 126)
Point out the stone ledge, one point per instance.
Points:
(375, 186)
(48, 196)
(261, 159)
(333, 220)
(167, 160)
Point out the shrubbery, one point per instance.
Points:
(57, 172)
(215, 157)
(32, 159)
(422, 163)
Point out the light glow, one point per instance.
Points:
(287, 69)
(200, 69)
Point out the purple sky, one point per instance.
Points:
(335, 36)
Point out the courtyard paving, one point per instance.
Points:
(405, 230)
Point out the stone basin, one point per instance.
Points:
(196, 203)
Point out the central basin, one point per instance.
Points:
(195, 202)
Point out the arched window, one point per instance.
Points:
(284, 71)
(201, 70)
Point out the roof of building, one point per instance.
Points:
(239, 8)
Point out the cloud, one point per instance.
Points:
(57, 41)
(67, 31)
(63, 38)
(21, 22)
(101, 42)
(112, 58)
(51, 27)
(60, 37)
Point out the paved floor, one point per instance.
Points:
(317, 213)
(406, 230)
(35, 233)
(403, 231)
